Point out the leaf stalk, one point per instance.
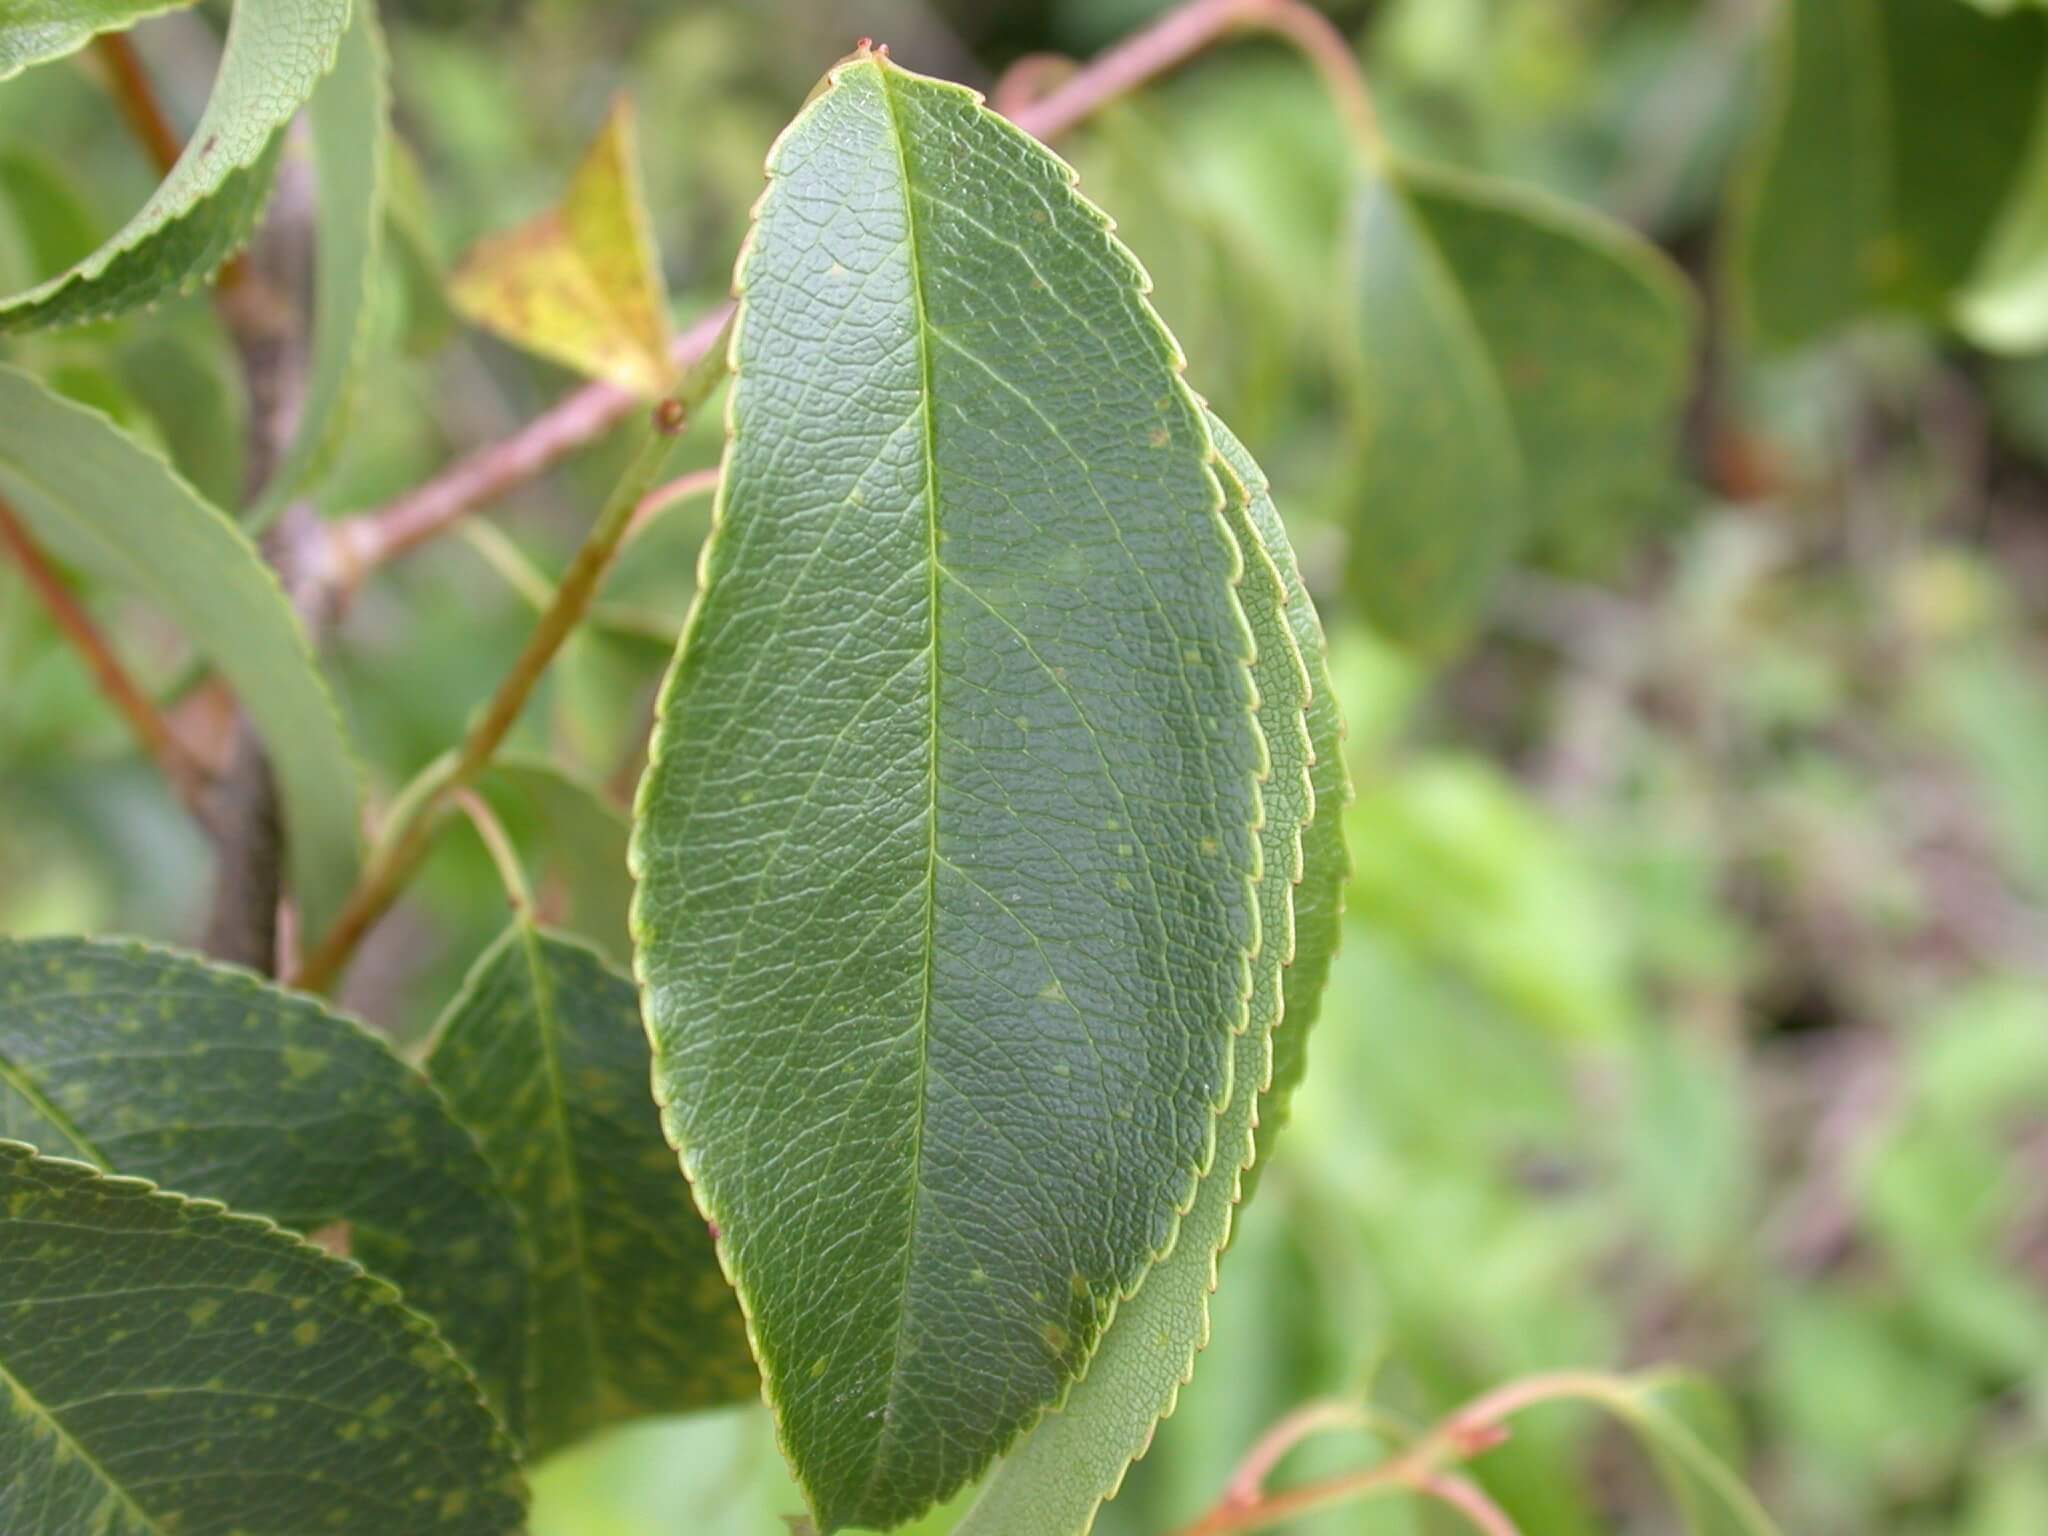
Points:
(406, 843)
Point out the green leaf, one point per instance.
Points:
(205, 1079)
(110, 505)
(1521, 364)
(1866, 187)
(2004, 306)
(543, 1056)
(45, 214)
(173, 1366)
(350, 117)
(35, 32)
(276, 53)
(946, 847)
(1052, 1484)
(1325, 861)
(581, 283)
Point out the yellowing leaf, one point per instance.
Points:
(581, 283)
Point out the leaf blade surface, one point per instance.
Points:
(946, 845)
(260, 1384)
(276, 53)
(1054, 1481)
(35, 32)
(205, 1079)
(544, 1057)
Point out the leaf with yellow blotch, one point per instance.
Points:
(581, 283)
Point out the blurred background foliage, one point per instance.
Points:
(1694, 1001)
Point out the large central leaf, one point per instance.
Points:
(947, 850)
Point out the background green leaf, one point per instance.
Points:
(172, 1366)
(350, 116)
(276, 53)
(36, 31)
(1520, 365)
(204, 1079)
(953, 786)
(103, 501)
(577, 838)
(544, 1058)
(1870, 185)
(2004, 305)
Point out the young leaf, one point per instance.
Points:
(1866, 187)
(544, 1057)
(1521, 364)
(276, 52)
(1052, 1484)
(204, 1079)
(350, 118)
(173, 1366)
(946, 847)
(103, 501)
(581, 283)
(35, 32)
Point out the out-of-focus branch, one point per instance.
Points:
(174, 760)
(253, 297)
(405, 845)
(1178, 37)
(698, 482)
(137, 100)
(268, 334)
(360, 544)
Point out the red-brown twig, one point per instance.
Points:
(1185, 32)
(698, 482)
(1469, 1500)
(405, 845)
(1248, 1484)
(1421, 1469)
(360, 544)
(137, 101)
(174, 760)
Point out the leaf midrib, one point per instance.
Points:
(19, 1391)
(931, 875)
(14, 1077)
(546, 1025)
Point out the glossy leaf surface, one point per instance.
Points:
(98, 498)
(174, 1367)
(206, 1080)
(946, 850)
(1521, 364)
(544, 1058)
(276, 53)
(1052, 1484)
